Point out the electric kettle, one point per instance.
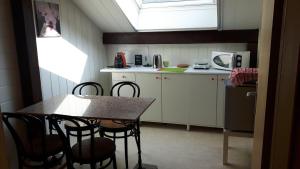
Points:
(157, 62)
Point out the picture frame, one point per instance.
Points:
(47, 19)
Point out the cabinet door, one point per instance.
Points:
(125, 91)
(221, 100)
(202, 100)
(175, 98)
(150, 85)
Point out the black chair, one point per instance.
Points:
(83, 85)
(110, 128)
(78, 90)
(88, 148)
(35, 148)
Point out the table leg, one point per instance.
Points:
(140, 165)
(225, 147)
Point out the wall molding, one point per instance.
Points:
(183, 37)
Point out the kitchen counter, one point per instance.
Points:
(189, 70)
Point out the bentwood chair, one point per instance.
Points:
(120, 129)
(85, 85)
(88, 149)
(35, 148)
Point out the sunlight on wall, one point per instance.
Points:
(60, 57)
(73, 106)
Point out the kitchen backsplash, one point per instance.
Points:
(174, 53)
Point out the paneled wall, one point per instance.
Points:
(10, 93)
(174, 53)
(74, 57)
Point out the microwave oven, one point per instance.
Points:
(230, 60)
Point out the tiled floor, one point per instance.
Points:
(172, 147)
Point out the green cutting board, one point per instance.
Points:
(173, 70)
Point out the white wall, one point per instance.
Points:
(75, 57)
(174, 53)
(10, 96)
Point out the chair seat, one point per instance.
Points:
(115, 126)
(103, 148)
(53, 145)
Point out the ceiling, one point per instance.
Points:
(106, 14)
(162, 1)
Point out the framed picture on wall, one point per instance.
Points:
(47, 19)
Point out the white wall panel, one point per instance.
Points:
(75, 57)
(106, 14)
(46, 84)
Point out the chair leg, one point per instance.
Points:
(126, 148)
(114, 136)
(101, 133)
(93, 165)
(114, 162)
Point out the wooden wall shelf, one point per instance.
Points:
(183, 37)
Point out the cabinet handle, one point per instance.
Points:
(222, 79)
(212, 78)
(166, 78)
(123, 77)
(157, 78)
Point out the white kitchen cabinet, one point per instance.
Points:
(125, 91)
(175, 98)
(221, 100)
(202, 100)
(188, 99)
(123, 77)
(150, 85)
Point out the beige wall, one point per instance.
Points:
(264, 48)
(10, 97)
(76, 56)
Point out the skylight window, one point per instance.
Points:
(163, 1)
(169, 3)
(171, 15)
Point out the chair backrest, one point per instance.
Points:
(28, 132)
(81, 86)
(78, 128)
(119, 85)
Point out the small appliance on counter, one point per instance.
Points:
(201, 66)
(120, 60)
(157, 61)
(230, 60)
(138, 60)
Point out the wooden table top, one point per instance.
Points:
(100, 107)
